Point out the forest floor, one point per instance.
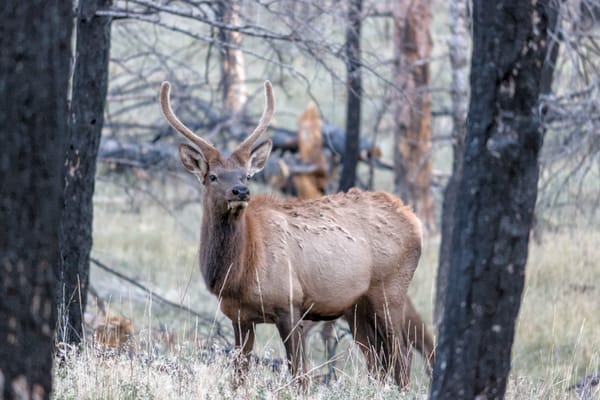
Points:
(557, 338)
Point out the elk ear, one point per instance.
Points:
(258, 157)
(193, 160)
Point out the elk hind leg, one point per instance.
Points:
(418, 335)
(393, 349)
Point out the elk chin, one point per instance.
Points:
(236, 206)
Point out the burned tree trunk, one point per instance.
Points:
(496, 198)
(354, 78)
(34, 77)
(458, 47)
(412, 118)
(90, 81)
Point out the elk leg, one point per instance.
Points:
(418, 335)
(394, 350)
(330, 341)
(403, 362)
(361, 323)
(244, 341)
(290, 331)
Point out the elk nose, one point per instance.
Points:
(241, 191)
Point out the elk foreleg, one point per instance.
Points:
(244, 342)
(291, 333)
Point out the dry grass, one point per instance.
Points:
(191, 375)
(557, 339)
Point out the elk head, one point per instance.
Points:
(225, 179)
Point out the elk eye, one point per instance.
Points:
(212, 177)
(248, 177)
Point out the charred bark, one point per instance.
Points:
(458, 47)
(354, 77)
(496, 198)
(34, 73)
(90, 81)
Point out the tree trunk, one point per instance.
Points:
(354, 78)
(233, 75)
(496, 198)
(310, 151)
(90, 81)
(412, 118)
(34, 76)
(458, 47)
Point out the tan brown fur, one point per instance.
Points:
(113, 333)
(414, 328)
(273, 260)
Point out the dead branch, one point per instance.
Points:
(205, 318)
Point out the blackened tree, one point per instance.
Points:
(458, 51)
(90, 81)
(35, 43)
(496, 197)
(353, 106)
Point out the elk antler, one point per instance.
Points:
(208, 150)
(245, 147)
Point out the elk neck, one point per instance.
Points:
(228, 249)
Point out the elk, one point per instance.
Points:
(311, 185)
(282, 261)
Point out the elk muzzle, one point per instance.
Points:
(242, 192)
(241, 196)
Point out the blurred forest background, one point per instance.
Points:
(369, 93)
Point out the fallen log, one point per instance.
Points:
(164, 155)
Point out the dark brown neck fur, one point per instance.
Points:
(228, 253)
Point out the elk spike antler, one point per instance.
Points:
(245, 147)
(208, 150)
